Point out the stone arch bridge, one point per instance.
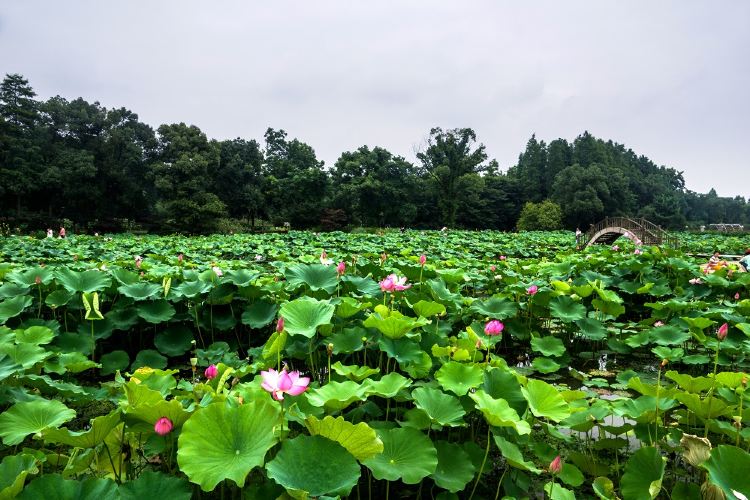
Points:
(640, 231)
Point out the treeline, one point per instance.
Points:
(103, 169)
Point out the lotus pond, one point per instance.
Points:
(300, 365)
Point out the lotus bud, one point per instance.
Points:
(280, 324)
(180, 258)
(503, 257)
(422, 259)
(329, 349)
(341, 268)
(664, 362)
(555, 467)
(163, 426)
(38, 280)
(737, 296)
(493, 268)
(211, 372)
(722, 333)
(532, 290)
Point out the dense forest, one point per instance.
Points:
(97, 169)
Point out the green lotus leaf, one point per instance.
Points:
(337, 395)
(727, 468)
(363, 285)
(10, 308)
(354, 372)
(32, 417)
(157, 311)
(150, 358)
(174, 341)
(388, 386)
(54, 487)
(567, 309)
(454, 468)
(223, 293)
(303, 316)
(11, 290)
(428, 308)
(443, 409)
(497, 412)
(408, 455)
(669, 335)
(219, 442)
(125, 277)
(556, 491)
(140, 291)
(731, 379)
(495, 308)
(545, 401)
(84, 282)
(13, 472)
(545, 365)
(459, 377)
(275, 345)
(513, 455)
(548, 346)
(29, 276)
(298, 467)
(395, 325)
(694, 385)
(315, 276)
(8, 367)
(686, 491)
(643, 474)
(113, 361)
(614, 309)
(349, 306)
(403, 350)
(151, 484)
(100, 429)
(348, 340)
(35, 335)
(360, 440)
(674, 354)
(259, 314)
(241, 277)
(59, 298)
(69, 362)
(699, 323)
(502, 384)
(26, 355)
(592, 329)
(192, 289)
(604, 488)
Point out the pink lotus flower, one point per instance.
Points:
(555, 467)
(493, 327)
(722, 333)
(180, 258)
(695, 281)
(658, 324)
(341, 268)
(493, 268)
(278, 383)
(422, 259)
(532, 290)
(637, 251)
(163, 426)
(393, 283)
(502, 257)
(218, 272)
(38, 281)
(615, 247)
(736, 295)
(211, 372)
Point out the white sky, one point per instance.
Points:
(669, 79)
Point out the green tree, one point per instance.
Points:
(449, 157)
(295, 184)
(544, 216)
(238, 178)
(19, 148)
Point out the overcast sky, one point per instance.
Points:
(669, 79)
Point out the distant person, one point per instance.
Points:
(61, 234)
(745, 261)
(578, 232)
(715, 263)
(50, 233)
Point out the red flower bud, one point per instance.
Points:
(163, 426)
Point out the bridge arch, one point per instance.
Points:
(640, 231)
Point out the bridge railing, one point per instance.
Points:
(648, 232)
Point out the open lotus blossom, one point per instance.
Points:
(722, 333)
(341, 268)
(493, 327)
(555, 467)
(615, 247)
(658, 324)
(503, 257)
(163, 426)
(258, 257)
(217, 271)
(393, 283)
(211, 372)
(637, 251)
(532, 290)
(280, 324)
(422, 260)
(736, 295)
(280, 383)
(695, 281)
(324, 259)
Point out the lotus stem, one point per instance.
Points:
(739, 422)
(502, 476)
(713, 386)
(39, 314)
(656, 431)
(484, 461)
